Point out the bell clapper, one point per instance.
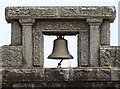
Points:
(60, 36)
(59, 64)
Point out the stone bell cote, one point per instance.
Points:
(92, 24)
(25, 55)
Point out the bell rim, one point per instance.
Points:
(59, 58)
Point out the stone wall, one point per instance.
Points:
(53, 77)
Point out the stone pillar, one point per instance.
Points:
(1, 57)
(38, 48)
(119, 23)
(16, 39)
(27, 40)
(1, 68)
(105, 33)
(83, 49)
(94, 40)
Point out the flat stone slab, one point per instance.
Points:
(71, 12)
(55, 74)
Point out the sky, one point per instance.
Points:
(5, 28)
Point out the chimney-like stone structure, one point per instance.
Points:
(23, 60)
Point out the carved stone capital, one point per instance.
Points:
(26, 21)
(94, 21)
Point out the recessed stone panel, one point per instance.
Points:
(38, 48)
(61, 26)
(12, 56)
(109, 56)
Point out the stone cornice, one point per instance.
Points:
(63, 12)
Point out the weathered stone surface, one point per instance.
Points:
(109, 56)
(91, 74)
(117, 59)
(38, 49)
(54, 77)
(26, 21)
(1, 77)
(106, 58)
(83, 49)
(68, 85)
(23, 66)
(103, 74)
(60, 12)
(105, 33)
(1, 57)
(115, 74)
(54, 27)
(12, 56)
(27, 40)
(94, 40)
(93, 21)
(56, 74)
(16, 34)
(0, 67)
(21, 75)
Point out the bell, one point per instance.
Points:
(60, 49)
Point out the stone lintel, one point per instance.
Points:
(63, 12)
(64, 74)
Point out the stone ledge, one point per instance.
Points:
(106, 12)
(66, 85)
(70, 84)
(65, 74)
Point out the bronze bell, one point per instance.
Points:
(60, 49)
